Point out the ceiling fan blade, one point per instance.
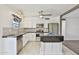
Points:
(43, 13)
(47, 14)
(30, 16)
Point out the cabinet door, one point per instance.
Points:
(51, 48)
(9, 46)
(25, 39)
(32, 36)
(19, 43)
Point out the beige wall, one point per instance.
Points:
(4, 18)
(72, 29)
(32, 21)
(72, 25)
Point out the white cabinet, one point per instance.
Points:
(28, 37)
(9, 46)
(48, 48)
(31, 36)
(25, 39)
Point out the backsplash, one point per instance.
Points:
(15, 32)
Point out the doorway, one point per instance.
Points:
(53, 28)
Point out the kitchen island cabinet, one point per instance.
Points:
(51, 45)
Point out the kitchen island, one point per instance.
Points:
(51, 45)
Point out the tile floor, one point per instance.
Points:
(33, 48)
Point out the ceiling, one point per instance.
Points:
(33, 9)
(74, 14)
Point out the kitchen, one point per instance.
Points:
(31, 28)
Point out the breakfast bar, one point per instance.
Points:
(51, 45)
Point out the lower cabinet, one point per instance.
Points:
(19, 43)
(25, 39)
(9, 46)
(13, 45)
(48, 48)
(28, 37)
(32, 36)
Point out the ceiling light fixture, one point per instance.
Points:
(41, 16)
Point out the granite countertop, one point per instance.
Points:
(52, 38)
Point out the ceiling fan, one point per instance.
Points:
(43, 14)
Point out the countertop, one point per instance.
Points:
(9, 32)
(52, 38)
